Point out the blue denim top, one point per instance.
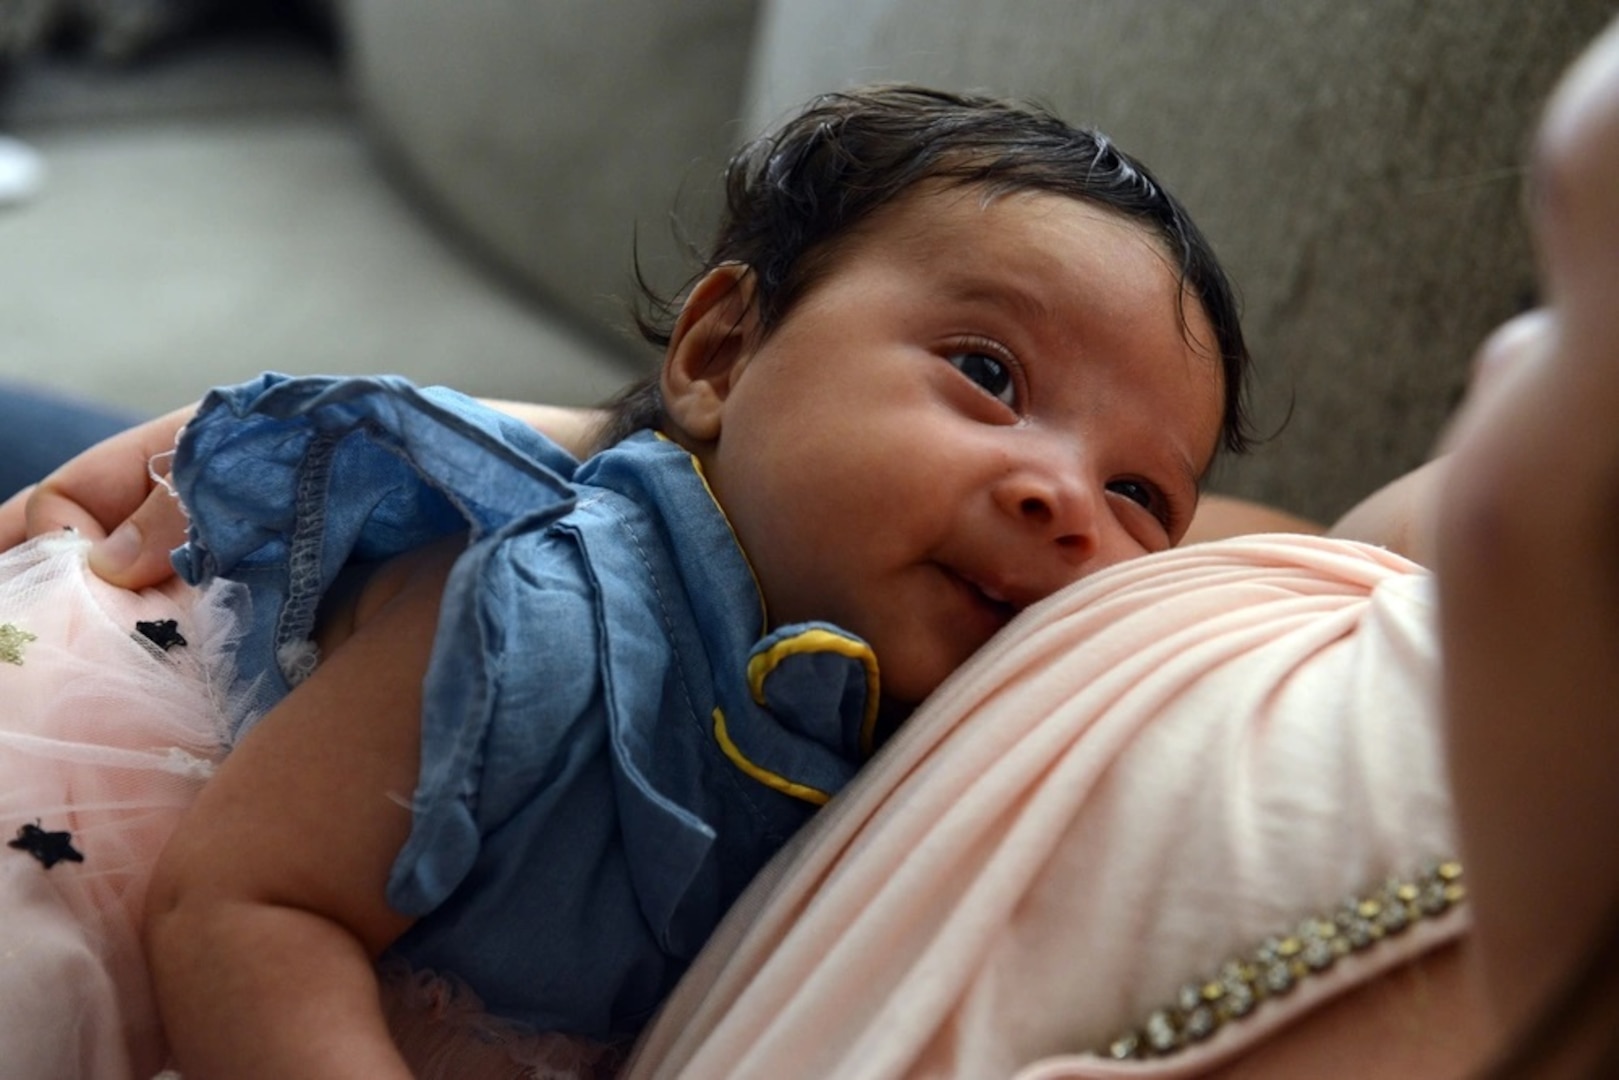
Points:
(612, 743)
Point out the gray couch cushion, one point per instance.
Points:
(558, 135)
(1356, 164)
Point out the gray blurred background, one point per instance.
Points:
(214, 205)
(456, 191)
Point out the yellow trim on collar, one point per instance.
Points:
(815, 640)
(697, 467)
(764, 776)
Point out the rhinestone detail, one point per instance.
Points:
(1278, 964)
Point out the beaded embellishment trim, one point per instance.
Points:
(1275, 967)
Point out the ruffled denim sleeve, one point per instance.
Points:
(609, 751)
(287, 480)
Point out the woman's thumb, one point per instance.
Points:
(136, 553)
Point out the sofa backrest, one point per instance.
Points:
(556, 135)
(1357, 165)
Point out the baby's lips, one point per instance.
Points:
(1004, 591)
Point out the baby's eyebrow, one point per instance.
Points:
(998, 293)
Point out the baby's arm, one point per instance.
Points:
(267, 909)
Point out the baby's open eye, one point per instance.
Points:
(1142, 493)
(992, 374)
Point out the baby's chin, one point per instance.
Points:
(890, 715)
(903, 691)
(902, 696)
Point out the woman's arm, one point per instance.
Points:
(109, 494)
(575, 429)
(1220, 517)
(267, 908)
(1529, 602)
(1399, 515)
(1396, 516)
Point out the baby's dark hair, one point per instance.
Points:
(791, 197)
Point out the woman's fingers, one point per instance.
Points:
(14, 518)
(108, 486)
(1509, 356)
(136, 553)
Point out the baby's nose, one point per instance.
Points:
(1056, 502)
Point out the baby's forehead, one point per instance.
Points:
(1074, 276)
(937, 212)
(1051, 255)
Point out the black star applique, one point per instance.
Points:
(164, 633)
(48, 847)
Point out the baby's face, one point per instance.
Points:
(979, 404)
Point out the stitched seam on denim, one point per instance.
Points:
(663, 608)
(388, 440)
(744, 790)
(680, 674)
(296, 621)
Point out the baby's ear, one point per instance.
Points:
(709, 346)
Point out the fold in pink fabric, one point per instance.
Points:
(1143, 777)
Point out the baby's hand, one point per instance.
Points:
(108, 494)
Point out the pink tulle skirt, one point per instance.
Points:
(105, 737)
(441, 1028)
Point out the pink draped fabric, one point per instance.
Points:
(1142, 778)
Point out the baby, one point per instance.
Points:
(947, 356)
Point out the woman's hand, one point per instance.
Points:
(1529, 605)
(109, 494)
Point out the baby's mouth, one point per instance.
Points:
(995, 599)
